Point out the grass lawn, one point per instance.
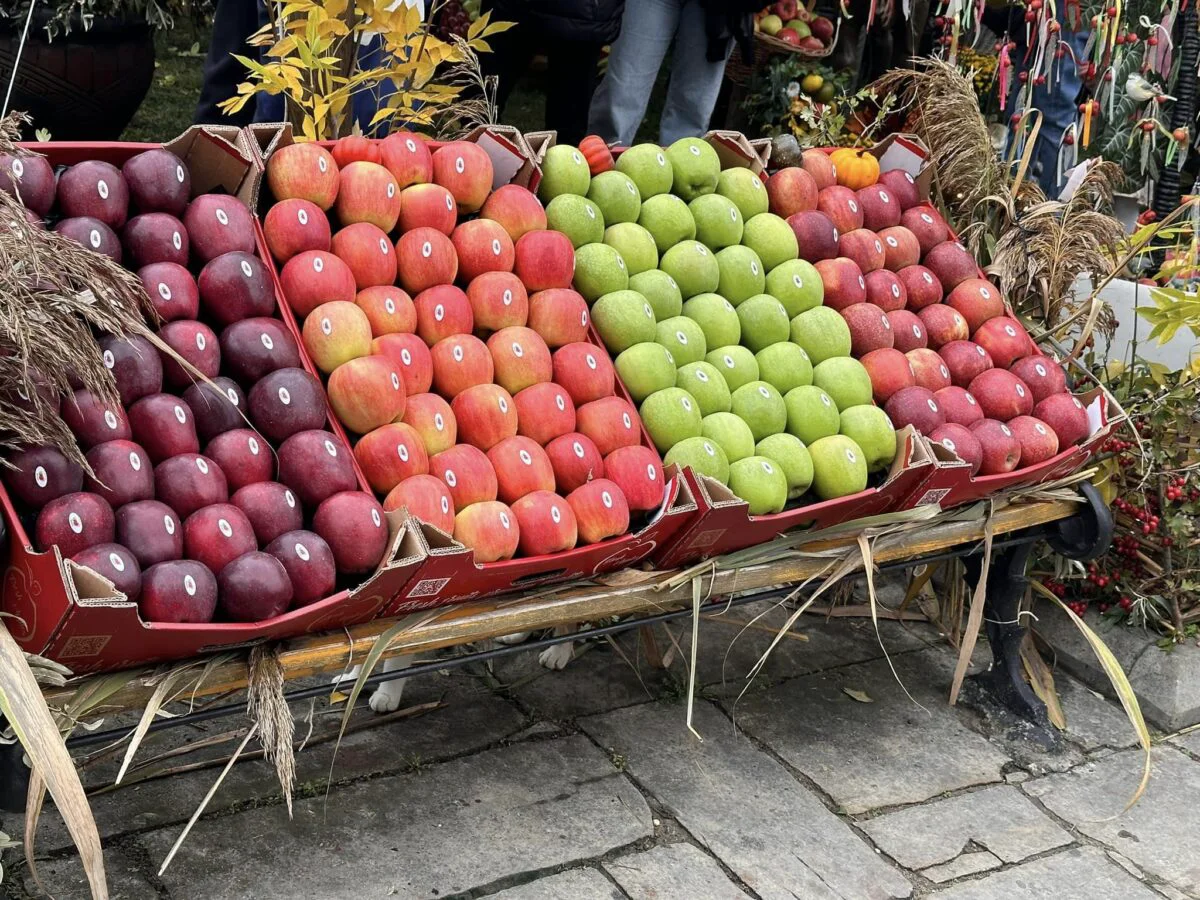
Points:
(168, 108)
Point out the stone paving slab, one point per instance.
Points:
(744, 806)
(64, 879)
(968, 864)
(1189, 742)
(1000, 819)
(1092, 721)
(1080, 874)
(1160, 833)
(577, 884)
(452, 827)
(674, 872)
(883, 753)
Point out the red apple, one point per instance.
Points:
(236, 286)
(908, 329)
(929, 370)
(295, 226)
(196, 343)
(30, 178)
(885, 290)
(960, 441)
(426, 258)
(271, 507)
(611, 422)
(637, 471)
(575, 460)
(253, 347)
(520, 357)
(900, 248)
(217, 535)
(498, 300)
(791, 190)
(366, 393)
(844, 282)
(902, 186)
(407, 157)
(544, 260)
(171, 289)
(336, 333)
(254, 587)
(486, 415)
(600, 510)
(546, 523)
(96, 189)
(951, 263)
(135, 366)
(880, 207)
(921, 286)
(442, 311)
(309, 564)
(1001, 394)
(890, 371)
(943, 325)
(93, 234)
(391, 454)
(465, 170)
(467, 473)
(216, 224)
(313, 465)
(965, 360)
(245, 458)
(841, 205)
(489, 529)
(460, 361)
(189, 482)
(427, 206)
(517, 209)
(41, 474)
(1001, 451)
(164, 426)
(816, 235)
(482, 246)
(977, 300)
(426, 498)
(559, 315)
(521, 466)
(431, 417)
(817, 164)
(1041, 374)
(410, 356)
(1004, 339)
(367, 192)
(585, 372)
(544, 411)
(863, 247)
(915, 406)
(178, 591)
(353, 524)
(354, 148)
(116, 564)
(1038, 442)
(1066, 416)
(92, 421)
(305, 171)
(151, 530)
(958, 405)
(122, 472)
(368, 252)
(870, 329)
(924, 222)
(388, 309)
(315, 277)
(152, 238)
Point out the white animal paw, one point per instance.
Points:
(387, 696)
(518, 637)
(557, 656)
(346, 678)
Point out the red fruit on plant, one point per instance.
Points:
(196, 343)
(426, 498)
(960, 441)
(406, 156)
(544, 412)
(216, 224)
(902, 187)
(965, 360)
(306, 171)
(1066, 416)
(116, 564)
(465, 170)
(93, 422)
(411, 357)
(41, 474)
(863, 247)
(1038, 442)
(243, 457)
(309, 564)
(559, 315)
(313, 465)
(30, 179)
(93, 234)
(595, 151)
(1041, 374)
(929, 369)
(482, 246)
(575, 460)
(958, 405)
(943, 325)
(520, 358)
(178, 591)
(74, 522)
(915, 406)
(924, 222)
(314, 277)
(977, 300)
(816, 235)
(817, 164)
(1001, 394)
(870, 329)
(584, 371)
(151, 530)
(354, 148)
(1001, 451)
(498, 300)
(153, 238)
(880, 207)
(543, 260)
(489, 529)
(353, 524)
(908, 329)
(900, 248)
(189, 482)
(427, 206)
(336, 333)
(366, 393)
(546, 523)
(843, 281)
(388, 310)
(951, 263)
(253, 347)
(885, 290)
(135, 366)
(467, 473)
(123, 472)
(295, 226)
(791, 190)
(889, 370)
(426, 258)
(517, 209)
(600, 510)
(1004, 339)
(391, 454)
(521, 466)
(172, 290)
(368, 252)
(637, 471)
(96, 189)
(460, 361)
(921, 285)
(254, 588)
(610, 422)
(285, 402)
(236, 286)
(367, 192)
(431, 417)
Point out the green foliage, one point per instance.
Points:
(63, 16)
(774, 95)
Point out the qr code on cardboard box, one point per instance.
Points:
(428, 587)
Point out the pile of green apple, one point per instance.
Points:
(717, 327)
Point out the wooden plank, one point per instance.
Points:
(331, 652)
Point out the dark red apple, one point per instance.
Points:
(178, 591)
(1004, 339)
(153, 238)
(886, 290)
(172, 290)
(908, 329)
(965, 360)
(903, 187)
(196, 343)
(353, 525)
(243, 456)
(951, 263)
(816, 235)
(1067, 417)
(1001, 394)
(217, 535)
(271, 507)
(218, 224)
(1041, 374)
(915, 406)
(254, 587)
(285, 402)
(189, 482)
(313, 465)
(1038, 442)
(960, 441)
(236, 286)
(164, 426)
(1000, 447)
(217, 407)
(94, 188)
(93, 234)
(151, 530)
(958, 405)
(921, 286)
(870, 329)
(29, 177)
(309, 564)
(115, 563)
(929, 227)
(93, 422)
(158, 181)
(253, 347)
(41, 474)
(123, 472)
(74, 522)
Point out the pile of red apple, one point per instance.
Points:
(943, 353)
(443, 315)
(794, 23)
(190, 510)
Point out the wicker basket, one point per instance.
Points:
(740, 70)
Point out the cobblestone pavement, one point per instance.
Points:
(839, 773)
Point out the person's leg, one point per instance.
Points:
(619, 104)
(571, 82)
(1059, 106)
(695, 82)
(233, 22)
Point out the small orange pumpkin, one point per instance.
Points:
(595, 151)
(855, 168)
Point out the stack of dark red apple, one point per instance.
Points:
(442, 314)
(191, 535)
(942, 350)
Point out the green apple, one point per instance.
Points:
(564, 171)
(646, 368)
(683, 338)
(761, 407)
(730, 433)
(764, 322)
(695, 167)
(706, 385)
(800, 27)
(872, 430)
(647, 167)
(693, 267)
(839, 467)
(845, 380)
(617, 196)
(741, 274)
(660, 291)
(577, 217)
(702, 455)
(634, 243)
(746, 190)
(718, 222)
(737, 364)
(811, 413)
(716, 317)
(761, 483)
(667, 218)
(790, 454)
(797, 285)
(822, 332)
(771, 238)
(599, 270)
(623, 318)
(671, 416)
(784, 366)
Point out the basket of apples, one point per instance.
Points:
(441, 313)
(789, 26)
(220, 507)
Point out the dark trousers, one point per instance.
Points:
(233, 22)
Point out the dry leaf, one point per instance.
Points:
(860, 696)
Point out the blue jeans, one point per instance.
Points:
(648, 29)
